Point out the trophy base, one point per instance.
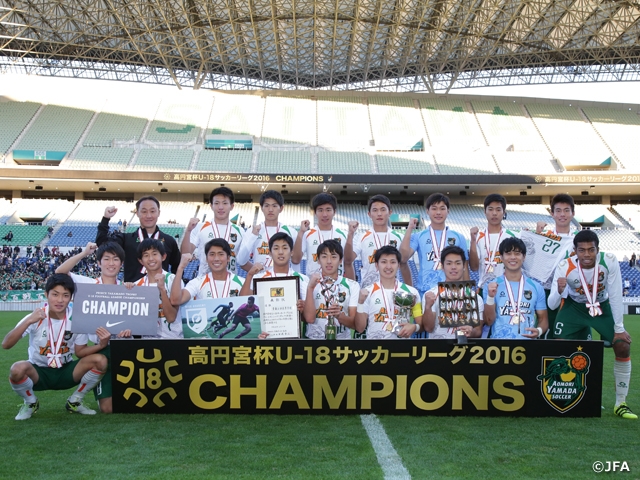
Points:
(461, 338)
(330, 332)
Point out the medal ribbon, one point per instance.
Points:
(225, 289)
(216, 231)
(54, 357)
(376, 240)
(155, 236)
(322, 239)
(592, 304)
(269, 260)
(515, 307)
(391, 314)
(491, 252)
(437, 248)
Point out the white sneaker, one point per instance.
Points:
(79, 407)
(27, 409)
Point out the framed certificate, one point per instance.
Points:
(280, 317)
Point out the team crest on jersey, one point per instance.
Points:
(342, 296)
(393, 243)
(210, 234)
(317, 296)
(502, 294)
(233, 237)
(451, 242)
(563, 380)
(377, 302)
(528, 294)
(67, 335)
(370, 244)
(339, 240)
(234, 293)
(315, 242)
(601, 277)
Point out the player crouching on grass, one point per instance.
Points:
(453, 263)
(344, 291)
(375, 307)
(51, 346)
(588, 289)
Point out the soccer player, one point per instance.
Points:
(218, 283)
(280, 250)
(151, 255)
(255, 245)
(148, 211)
(110, 257)
(324, 206)
(51, 345)
(550, 247)
(242, 316)
(515, 305)
(453, 261)
(376, 312)
(430, 242)
(366, 245)
(345, 294)
(588, 289)
(222, 318)
(198, 233)
(484, 255)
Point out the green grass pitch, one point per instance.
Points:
(57, 445)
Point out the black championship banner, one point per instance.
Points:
(537, 378)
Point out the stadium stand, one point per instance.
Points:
(88, 213)
(450, 125)
(284, 161)
(178, 212)
(396, 124)
(57, 128)
(236, 114)
(616, 128)
(343, 124)
(22, 234)
(14, 116)
(597, 215)
(100, 158)
(344, 162)
(225, 161)
(630, 213)
(163, 159)
(571, 139)
(179, 121)
(465, 163)
(289, 121)
(405, 163)
(110, 126)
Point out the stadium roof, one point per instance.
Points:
(348, 44)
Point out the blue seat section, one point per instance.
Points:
(81, 235)
(632, 274)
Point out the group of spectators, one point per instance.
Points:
(31, 271)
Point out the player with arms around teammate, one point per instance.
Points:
(344, 291)
(366, 245)
(453, 261)
(588, 289)
(151, 254)
(324, 206)
(199, 233)
(551, 247)
(51, 346)
(110, 257)
(376, 310)
(515, 305)
(255, 245)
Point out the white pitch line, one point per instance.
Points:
(388, 458)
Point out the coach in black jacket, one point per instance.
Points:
(148, 211)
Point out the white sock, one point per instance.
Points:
(622, 375)
(24, 389)
(88, 381)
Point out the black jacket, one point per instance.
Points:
(129, 242)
